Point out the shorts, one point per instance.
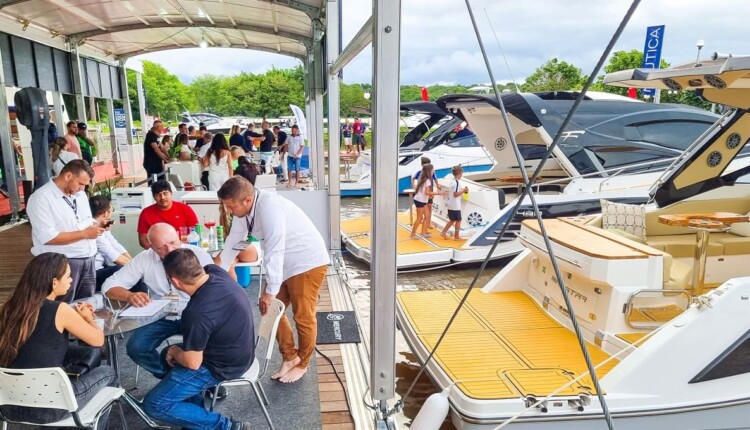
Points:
(348, 141)
(454, 215)
(419, 204)
(429, 201)
(294, 164)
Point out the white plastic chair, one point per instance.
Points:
(51, 388)
(264, 344)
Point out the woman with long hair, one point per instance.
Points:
(235, 137)
(60, 156)
(422, 198)
(218, 162)
(34, 333)
(248, 170)
(184, 144)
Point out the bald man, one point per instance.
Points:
(147, 266)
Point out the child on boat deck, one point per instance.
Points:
(422, 200)
(454, 204)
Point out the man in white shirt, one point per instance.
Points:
(61, 222)
(147, 266)
(294, 156)
(295, 263)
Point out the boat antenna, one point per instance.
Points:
(512, 79)
(526, 191)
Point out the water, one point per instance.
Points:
(407, 366)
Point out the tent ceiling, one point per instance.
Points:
(125, 28)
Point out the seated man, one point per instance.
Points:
(218, 345)
(165, 210)
(110, 255)
(148, 266)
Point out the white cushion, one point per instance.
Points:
(629, 218)
(741, 228)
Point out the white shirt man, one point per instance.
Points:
(147, 266)
(61, 222)
(295, 263)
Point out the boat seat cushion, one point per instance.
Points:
(741, 228)
(732, 243)
(680, 276)
(629, 218)
(683, 245)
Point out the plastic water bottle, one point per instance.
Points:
(193, 238)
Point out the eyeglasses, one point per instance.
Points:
(173, 243)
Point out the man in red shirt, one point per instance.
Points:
(166, 210)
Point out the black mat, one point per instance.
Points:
(337, 327)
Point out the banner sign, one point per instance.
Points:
(121, 136)
(652, 52)
(299, 116)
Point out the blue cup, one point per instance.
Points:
(243, 275)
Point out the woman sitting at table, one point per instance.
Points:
(34, 334)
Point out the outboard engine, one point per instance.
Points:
(32, 111)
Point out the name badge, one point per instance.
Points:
(241, 246)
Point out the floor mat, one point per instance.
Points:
(337, 327)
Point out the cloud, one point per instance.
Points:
(438, 43)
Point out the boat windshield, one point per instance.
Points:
(597, 141)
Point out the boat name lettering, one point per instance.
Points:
(573, 134)
(576, 294)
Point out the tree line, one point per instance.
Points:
(269, 94)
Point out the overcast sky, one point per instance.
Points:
(438, 44)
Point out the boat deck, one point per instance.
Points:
(357, 231)
(502, 345)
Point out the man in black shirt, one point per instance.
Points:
(266, 148)
(249, 136)
(153, 155)
(218, 344)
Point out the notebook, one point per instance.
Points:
(145, 311)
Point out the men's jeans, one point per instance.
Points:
(266, 160)
(143, 342)
(178, 400)
(84, 279)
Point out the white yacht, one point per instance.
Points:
(660, 293)
(434, 137)
(615, 147)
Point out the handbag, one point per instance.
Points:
(80, 359)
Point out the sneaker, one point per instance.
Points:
(240, 425)
(221, 395)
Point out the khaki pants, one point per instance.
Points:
(301, 291)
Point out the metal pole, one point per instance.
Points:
(75, 66)
(123, 72)
(358, 43)
(9, 164)
(386, 37)
(319, 65)
(141, 101)
(112, 137)
(58, 104)
(334, 136)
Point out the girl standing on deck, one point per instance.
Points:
(34, 334)
(422, 198)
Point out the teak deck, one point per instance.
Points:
(502, 345)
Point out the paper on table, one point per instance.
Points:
(145, 311)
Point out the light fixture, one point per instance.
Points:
(699, 44)
(203, 43)
(367, 95)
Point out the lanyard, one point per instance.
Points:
(73, 205)
(250, 224)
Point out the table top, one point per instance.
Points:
(710, 220)
(115, 324)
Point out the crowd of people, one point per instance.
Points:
(220, 155)
(74, 253)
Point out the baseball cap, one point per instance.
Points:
(82, 126)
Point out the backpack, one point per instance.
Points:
(52, 133)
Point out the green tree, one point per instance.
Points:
(555, 75)
(166, 95)
(622, 60)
